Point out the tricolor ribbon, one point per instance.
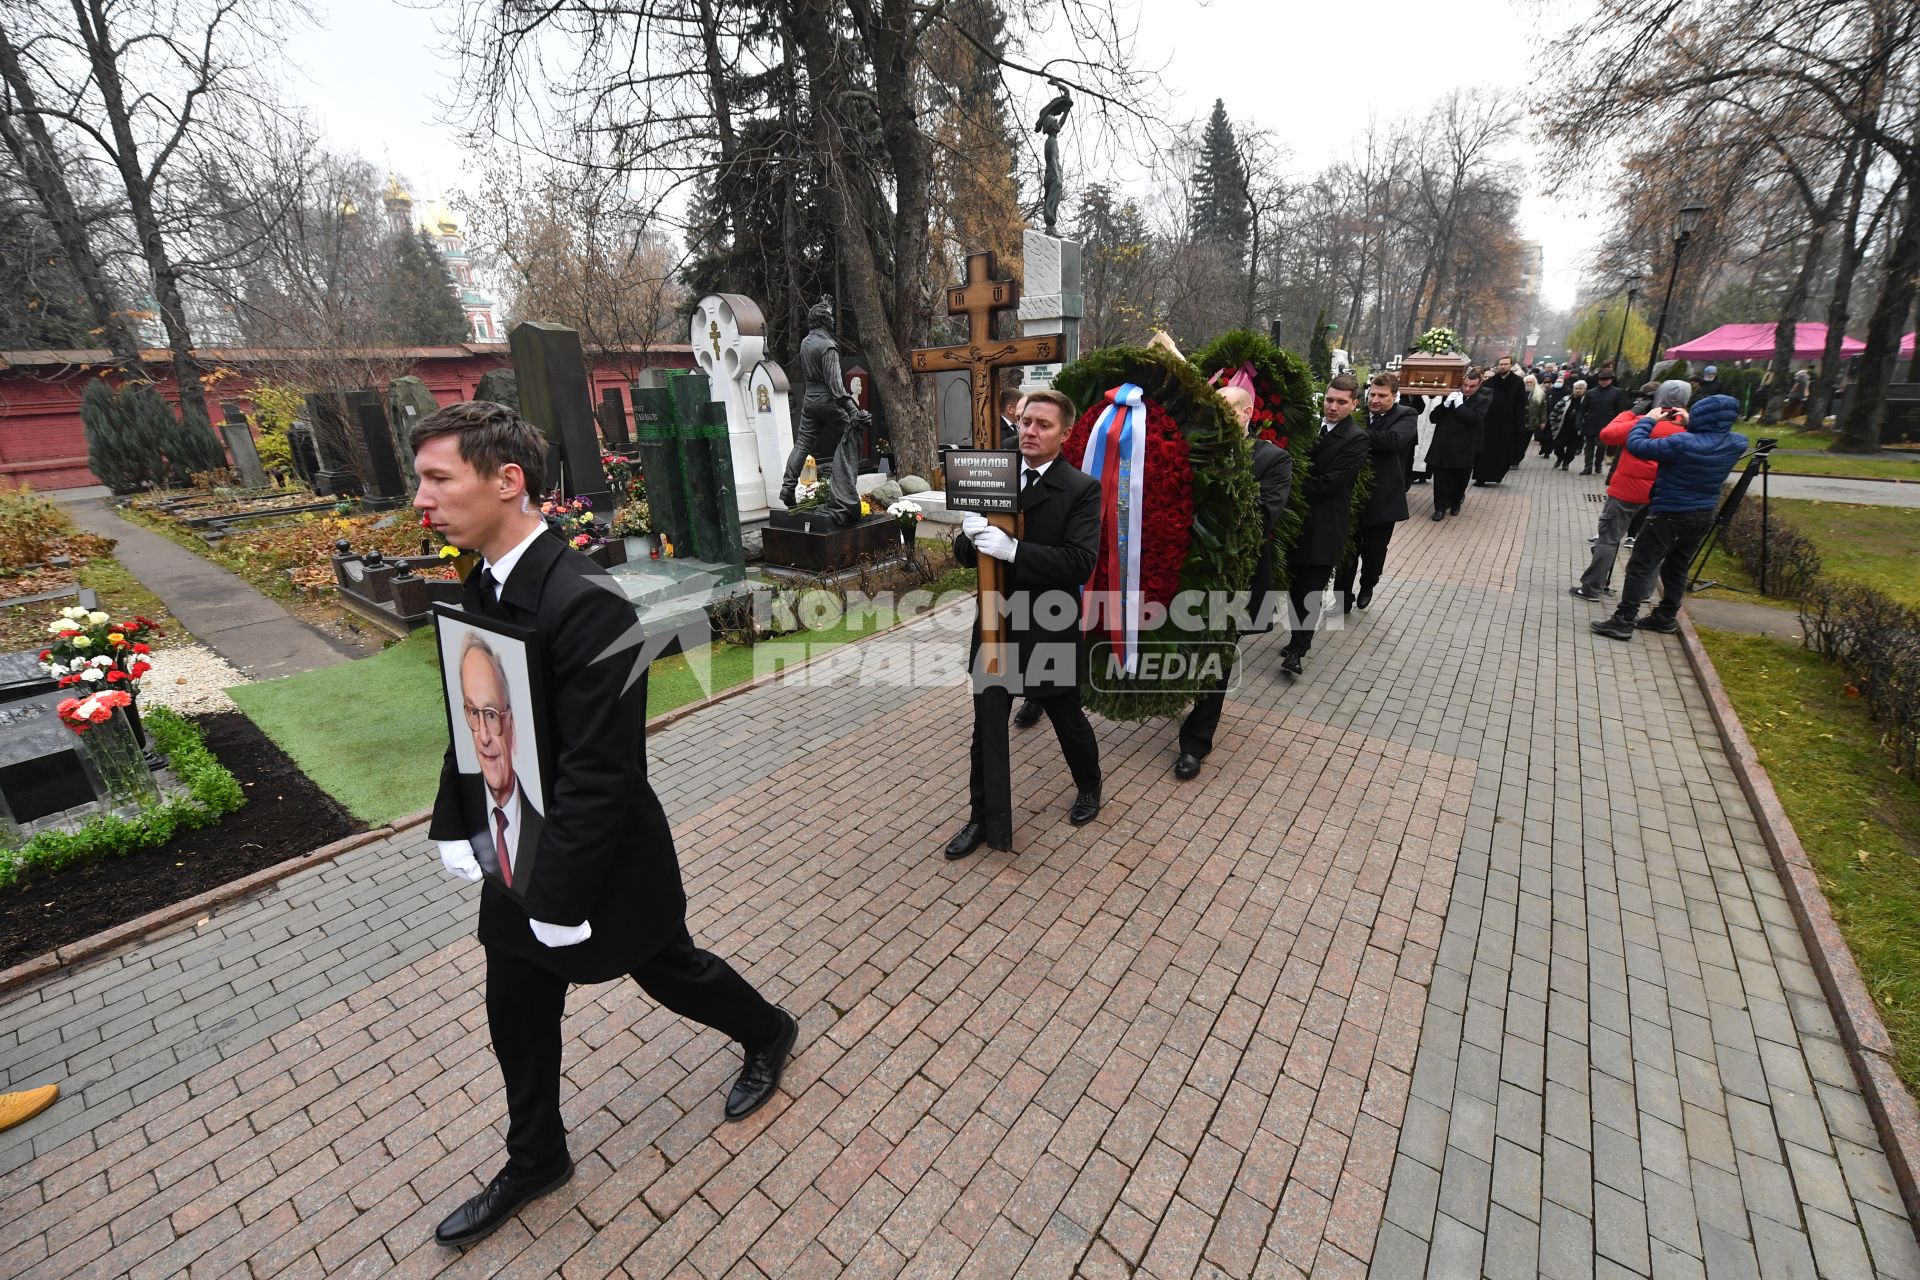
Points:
(1117, 458)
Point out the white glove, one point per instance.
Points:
(996, 543)
(561, 935)
(974, 524)
(1453, 401)
(457, 857)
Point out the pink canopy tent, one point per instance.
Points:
(1906, 347)
(1755, 342)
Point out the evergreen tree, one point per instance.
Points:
(117, 458)
(41, 302)
(1219, 211)
(1320, 351)
(418, 296)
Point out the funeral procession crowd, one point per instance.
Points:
(580, 882)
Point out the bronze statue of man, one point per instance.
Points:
(1052, 117)
(828, 414)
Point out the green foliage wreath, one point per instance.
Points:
(1224, 534)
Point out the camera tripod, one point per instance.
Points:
(1759, 463)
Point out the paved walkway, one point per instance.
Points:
(220, 608)
(1871, 493)
(1461, 956)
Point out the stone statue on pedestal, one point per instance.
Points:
(1052, 117)
(828, 419)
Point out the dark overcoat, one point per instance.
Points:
(1332, 468)
(605, 851)
(1059, 539)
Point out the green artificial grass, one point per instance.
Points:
(372, 733)
(1857, 818)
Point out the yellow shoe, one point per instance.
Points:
(17, 1108)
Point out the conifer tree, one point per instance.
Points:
(1320, 351)
(1219, 210)
(418, 294)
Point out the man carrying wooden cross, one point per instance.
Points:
(1044, 570)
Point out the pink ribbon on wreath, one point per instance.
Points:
(1242, 378)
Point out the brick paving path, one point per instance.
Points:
(1462, 955)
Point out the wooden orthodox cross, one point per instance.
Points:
(980, 299)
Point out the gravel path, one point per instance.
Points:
(191, 679)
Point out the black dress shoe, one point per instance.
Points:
(761, 1076)
(1364, 599)
(498, 1201)
(969, 838)
(1583, 593)
(1290, 663)
(1439, 513)
(1454, 510)
(1086, 807)
(1028, 715)
(1187, 766)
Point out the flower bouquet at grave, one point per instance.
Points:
(111, 743)
(574, 521)
(1438, 341)
(1178, 520)
(92, 651)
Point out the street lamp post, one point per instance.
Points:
(1688, 221)
(1633, 291)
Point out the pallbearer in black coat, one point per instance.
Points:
(1391, 429)
(607, 899)
(1457, 422)
(1332, 468)
(1503, 439)
(1045, 568)
(1273, 471)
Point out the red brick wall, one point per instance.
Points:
(43, 444)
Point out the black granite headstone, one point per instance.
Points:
(306, 458)
(239, 438)
(613, 418)
(41, 771)
(706, 458)
(331, 439)
(556, 397)
(386, 487)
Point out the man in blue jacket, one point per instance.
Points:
(1693, 467)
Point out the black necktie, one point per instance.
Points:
(1026, 482)
(489, 590)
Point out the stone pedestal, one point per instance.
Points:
(1050, 300)
(811, 541)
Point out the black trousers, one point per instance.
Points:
(1663, 551)
(989, 779)
(1369, 556)
(1196, 731)
(1595, 454)
(524, 1007)
(1308, 580)
(1450, 487)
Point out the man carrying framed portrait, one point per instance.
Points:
(572, 849)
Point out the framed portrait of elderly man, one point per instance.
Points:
(496, 714)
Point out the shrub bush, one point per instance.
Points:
(212, 793)
(135, 441)
(1744, 385)
(30, 525)
(1877, 640)
(1793, 562)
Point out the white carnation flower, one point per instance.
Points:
(92, 673)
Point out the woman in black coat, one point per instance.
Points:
(1458, 424)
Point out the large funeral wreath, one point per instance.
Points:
(1199, 524)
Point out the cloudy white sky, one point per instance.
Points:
(375, 74)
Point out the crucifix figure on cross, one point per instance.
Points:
(980, 299)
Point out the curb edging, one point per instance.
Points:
(166, 917)
(172, 914)
(1869, 1048)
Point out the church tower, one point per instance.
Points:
(399, 207)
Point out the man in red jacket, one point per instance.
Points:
(1631, 487)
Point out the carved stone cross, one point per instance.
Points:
(980, 299)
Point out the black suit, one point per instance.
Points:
(1332, 469)
(1009, 434)
(604, 851)
(1273, 469)
(1059, 540)
(1389, 435)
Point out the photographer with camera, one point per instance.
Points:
(1693, 466)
